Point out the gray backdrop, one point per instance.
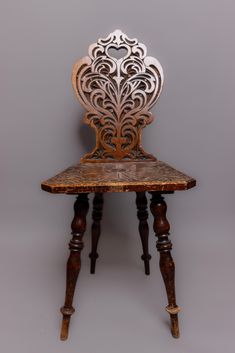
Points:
(120, 309)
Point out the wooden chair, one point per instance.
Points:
(117, 94)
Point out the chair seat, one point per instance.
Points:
(118, 177)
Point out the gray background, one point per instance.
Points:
(120, 309)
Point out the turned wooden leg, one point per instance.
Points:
(161, 228)
(142, 214)
(74, 262)
(95, 229)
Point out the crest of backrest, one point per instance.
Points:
(117, 94)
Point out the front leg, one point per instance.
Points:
(74, 262)
(161, 228)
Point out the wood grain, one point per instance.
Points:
(117, 93)
(118, 177)
(142, 214)
(161, 228)
(95, 228)
(74, 262)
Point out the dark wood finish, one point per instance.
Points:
(117, 94)
(161, 228)
(118, 177)
(95, 228)
(142, 214)
(74, 262)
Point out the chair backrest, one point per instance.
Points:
(117, 94)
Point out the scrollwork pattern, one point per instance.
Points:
(117, 94)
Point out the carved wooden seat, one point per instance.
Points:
(117, 94)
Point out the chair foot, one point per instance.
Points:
(93, 258)
(175, 326)
(146, 260)
(66, 312)
(65, 328)
(173, 311)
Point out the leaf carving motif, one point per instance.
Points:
(117, 95)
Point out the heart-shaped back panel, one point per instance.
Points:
(117, 84)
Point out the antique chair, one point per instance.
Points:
(117, 94)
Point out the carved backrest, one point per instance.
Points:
(117, 94)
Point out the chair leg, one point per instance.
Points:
(74, 262)
(95, 229)
(161, 228)
(142, 214)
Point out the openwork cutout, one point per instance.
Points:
(117, 94)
